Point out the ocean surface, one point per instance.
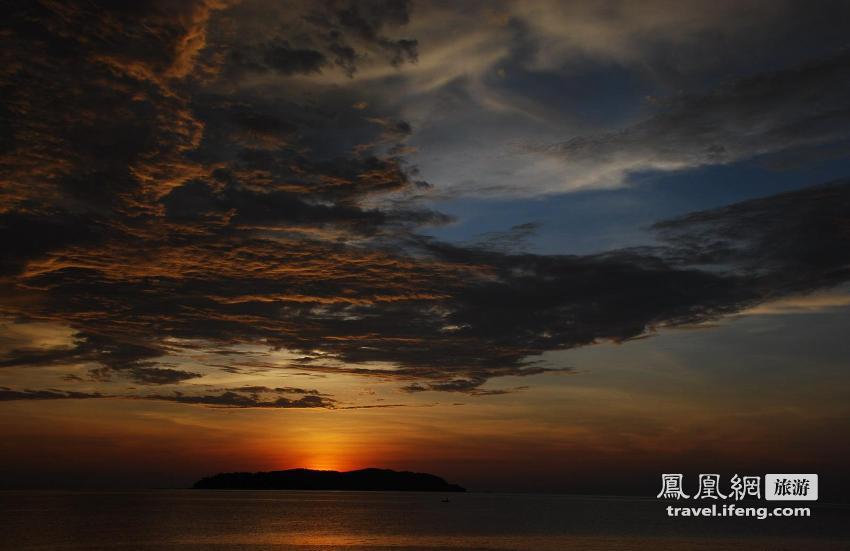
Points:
(376, 521)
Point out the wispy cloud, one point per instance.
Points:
(752, 117)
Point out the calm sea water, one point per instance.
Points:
(376, 521)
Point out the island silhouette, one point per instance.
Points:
(308, 479)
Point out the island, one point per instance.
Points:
(307, 479)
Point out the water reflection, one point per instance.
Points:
(375, 521)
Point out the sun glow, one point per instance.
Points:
(329, 452)
(327, 464)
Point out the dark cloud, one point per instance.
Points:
(277, 390)
(288, 61)
(790, 109)
(375, 406)
(129, 359)
(790, 243)
(7, 394)
(160, 375)
(86, 348)
(247, 208)
(712, 264)
(466, 386)
(232, 399)
(516, 239)
(347, 22)
(96, 120)
(228, 399)
(327, 34)
(27, 233)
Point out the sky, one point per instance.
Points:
(527, 246)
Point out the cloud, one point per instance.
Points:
(362, 23)
(288, 61)
(98, 120)
(495, 76)
(230, 399)
(751, 117)
(516, 239)
(806, 304)
(320, 36)
(130, 359)
(789, 243)
(45, 231)
(227, 399)
(160, 375)
(466, 386)
(161, 211)
(7, 395)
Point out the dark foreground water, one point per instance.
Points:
(306, 521)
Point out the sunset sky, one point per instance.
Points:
(539, 245)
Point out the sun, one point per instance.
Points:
(327, 464)
(327, 456)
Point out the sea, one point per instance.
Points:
(397, 521)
